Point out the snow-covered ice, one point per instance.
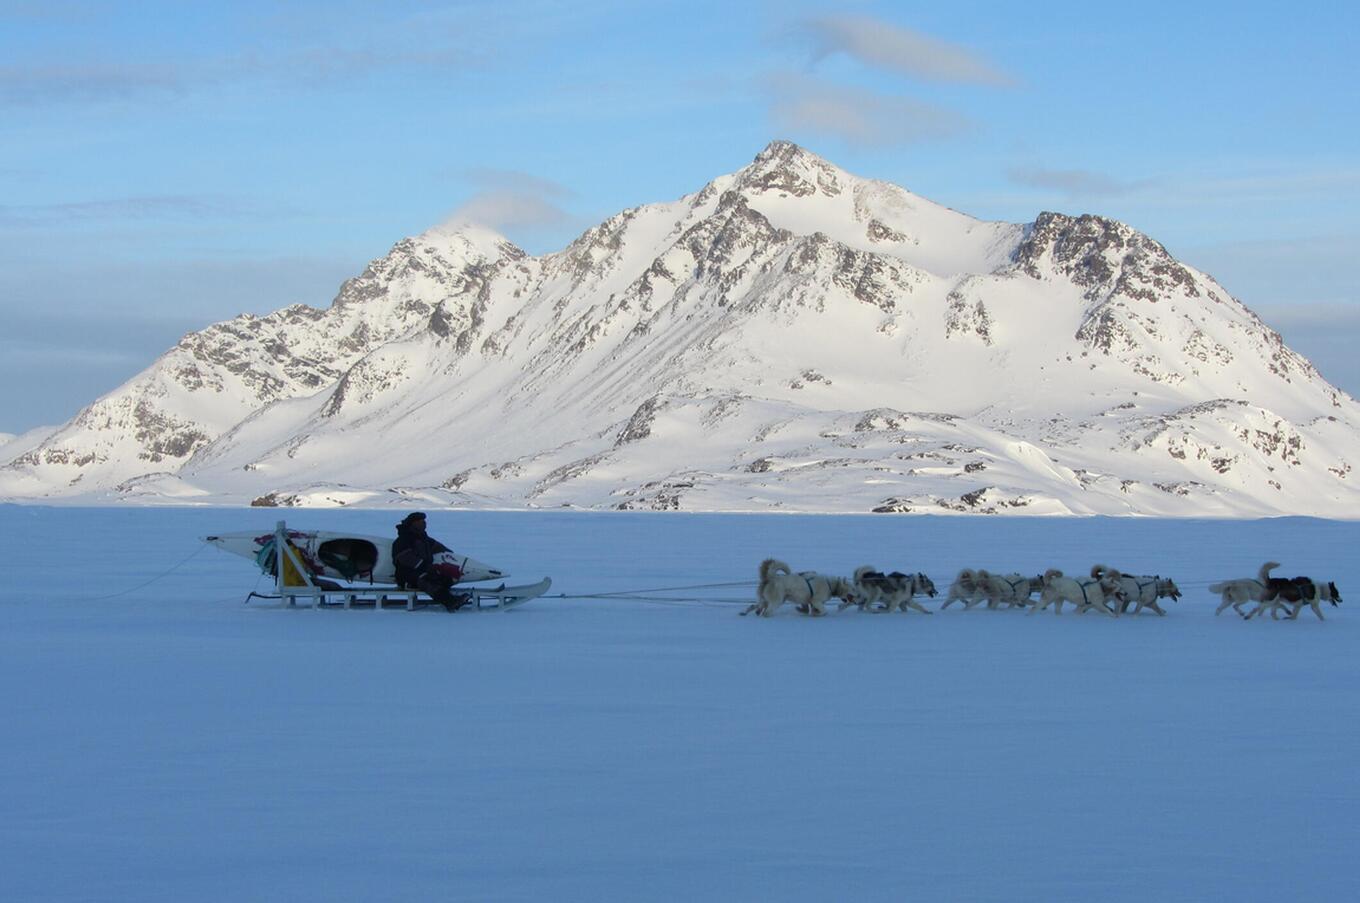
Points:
(170, 743)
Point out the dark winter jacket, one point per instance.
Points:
(413, 552)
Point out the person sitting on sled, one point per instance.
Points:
(413, 553)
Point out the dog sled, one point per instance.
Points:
(321, 569)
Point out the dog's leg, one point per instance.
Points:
(916, 605)
(1317, 609)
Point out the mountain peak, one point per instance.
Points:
(784, 152)
(787, 168)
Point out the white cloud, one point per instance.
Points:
(510, 201)
(882, 45)
(860, 117)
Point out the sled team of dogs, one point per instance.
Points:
(1105, 590)
(1275, 594)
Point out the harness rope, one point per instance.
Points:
(147, 583)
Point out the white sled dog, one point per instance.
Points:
(808, 590)
(1084, 594)
(1142, 592)
(1016, 589)
(969, 587)
(895, 590)
(1243, 590)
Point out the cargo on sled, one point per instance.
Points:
(353, 570)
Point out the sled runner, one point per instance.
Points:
(472, 598)
(345, 570)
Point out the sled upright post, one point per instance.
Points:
(285, 554)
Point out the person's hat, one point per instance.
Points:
(413, 516)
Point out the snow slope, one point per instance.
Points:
(790, 337)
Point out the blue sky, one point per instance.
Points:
(167, 165)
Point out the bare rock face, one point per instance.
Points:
(789, 337)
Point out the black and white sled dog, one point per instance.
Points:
(1143, 592)
(1085, 594)
(809, 591)
(896, 591)
(1242, 590)
(1282, 592)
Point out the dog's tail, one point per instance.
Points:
(768, 568)
(1264, 574)
(863, 571)
(1050, 575)
(1218, 588)
(1097, 570)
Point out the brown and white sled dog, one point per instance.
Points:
(809, 591)
(896, 590)
(1243, 590)
(969, 587)
(1143, 592)
(1084, 594)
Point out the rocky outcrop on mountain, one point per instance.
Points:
(789, 337)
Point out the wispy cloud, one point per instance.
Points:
(1074, 183)
(132, 208)
(489, 179)
(881, 45)
(85, 82)
(510, 201)
(401, 46)
(859, 117)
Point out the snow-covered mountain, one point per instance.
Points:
(789, 337)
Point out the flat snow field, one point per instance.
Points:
(171, 743)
